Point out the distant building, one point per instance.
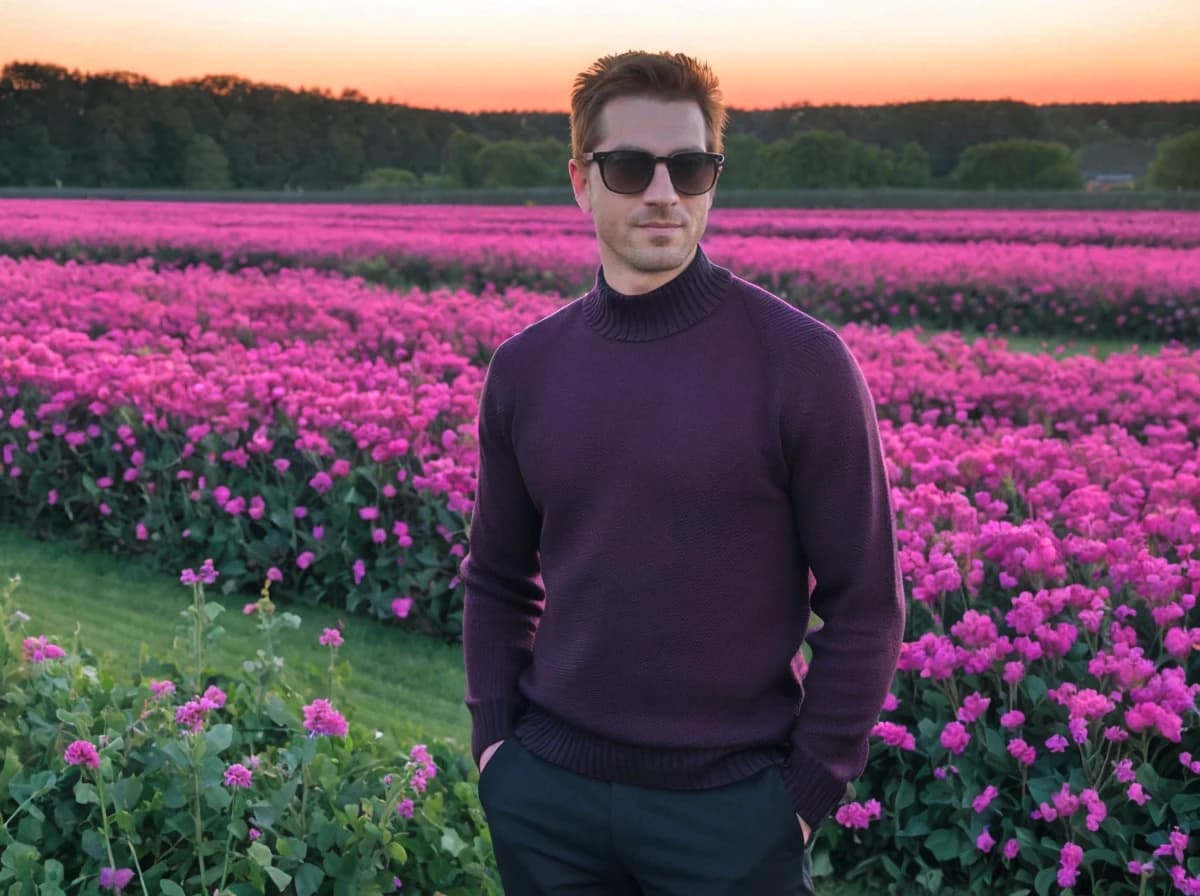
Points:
(1104, 183)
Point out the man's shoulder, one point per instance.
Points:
(533, 340)
(783, 328)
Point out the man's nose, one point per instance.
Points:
(660, 190)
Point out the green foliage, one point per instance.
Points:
(205, 165)
(1177, 164)
(122, 130)
(322, 815)
(390, 179)
(1019, 165)
(912, 167)
(462, 154)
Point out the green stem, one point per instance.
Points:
(112, 863)
(197, 745)
(198, 630)
(229, 842)
(332, 658)
(138, 866)
(33, 796)
(304, 799)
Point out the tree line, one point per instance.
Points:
(118, 129)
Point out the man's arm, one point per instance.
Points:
(845, 521)
(504, 599)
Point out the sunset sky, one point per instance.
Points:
(478, 55)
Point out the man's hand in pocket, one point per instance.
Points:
(487, 755)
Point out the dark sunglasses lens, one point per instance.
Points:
(628, 172)
(692, 172)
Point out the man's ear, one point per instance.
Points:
(579, 184)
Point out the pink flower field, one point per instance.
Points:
(1043, 727)
(1091, 273)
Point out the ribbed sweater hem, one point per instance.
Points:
(558, 742)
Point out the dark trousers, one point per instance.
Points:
(556, 833)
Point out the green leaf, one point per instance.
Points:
(260, 853)
(281, 879)
(170, 888)
(125, 792)
(219, 737)
(944, 844)
(1045, 879)
(308, 879)
(905, 795)
(20, 857)
(85, 793)
(931, 880)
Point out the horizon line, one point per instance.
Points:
(391, 100)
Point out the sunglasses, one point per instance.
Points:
(630, 171)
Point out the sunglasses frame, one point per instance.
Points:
(601, 157)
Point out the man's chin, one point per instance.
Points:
(658, 260)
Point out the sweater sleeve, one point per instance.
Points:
(504, 596)
(845, 521)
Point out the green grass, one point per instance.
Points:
(1040, 345)
(407, 685)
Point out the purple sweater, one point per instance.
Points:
(658, 474)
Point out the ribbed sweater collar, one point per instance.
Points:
(676, 305)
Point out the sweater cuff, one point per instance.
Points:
(492, 720)
(814, 792)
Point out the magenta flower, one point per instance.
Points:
(1138, 794)
(304, 561)
(955, 737)
(41, 649)
(401, 606)
(895, 735)
(330, 637)
(237, 775)
(193, 714)
(254, 833)
(985, 841)
(215, 696)
(368, 513)
(405, 808)
(984, 799)
(82, 752)
(321, 482)
(1014, 718)
(1069, 859)
(1056, 743)
(1021, 751)
(858, 815)
(1011, 847)
(321, 718)
(274, 575)
(115, 879)
(161, 689)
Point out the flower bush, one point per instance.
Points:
(189, 780)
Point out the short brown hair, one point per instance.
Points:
(665, 76)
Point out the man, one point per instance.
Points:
(662, 463)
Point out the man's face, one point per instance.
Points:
(648, 238)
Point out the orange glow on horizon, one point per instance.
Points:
(473, 56)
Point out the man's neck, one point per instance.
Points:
(631, 282)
